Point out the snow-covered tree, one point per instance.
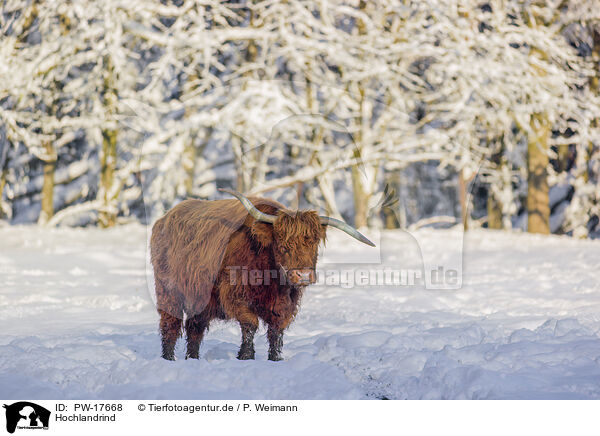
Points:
(334, 100)
(505, 80)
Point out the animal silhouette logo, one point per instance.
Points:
(26, 415)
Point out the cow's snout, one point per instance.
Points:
(300, 276)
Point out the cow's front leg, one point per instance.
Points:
(275, 336)
(247, 348)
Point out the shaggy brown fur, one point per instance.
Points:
(200, 253)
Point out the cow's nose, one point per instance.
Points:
(305, 276)
(301, 276)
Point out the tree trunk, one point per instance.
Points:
(3, 166)
(538, 201)
(316, 138)
(299, 190)
(463, 196)
(190, 154)
(48, 186)
(191, 157)
(562, 157)
(391, 220)
(361, 198)
(494, 206)
(108, 215)
(2, 183)
(494, 212)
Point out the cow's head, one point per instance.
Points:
(294, 237)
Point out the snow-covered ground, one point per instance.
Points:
(77, 321)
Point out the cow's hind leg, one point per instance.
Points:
(170, 309)
(170, 329)
(194, 329)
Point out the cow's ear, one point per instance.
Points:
(323, 234)
(262, 233)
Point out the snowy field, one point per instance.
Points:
(77, 322)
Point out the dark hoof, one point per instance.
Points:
(275, 358)
(191, 356)
(246, 355)
(168, 357)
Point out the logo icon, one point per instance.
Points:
(26, 415)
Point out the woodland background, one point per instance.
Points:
(385, 113)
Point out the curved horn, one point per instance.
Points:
(256, 214)
(328, 221)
